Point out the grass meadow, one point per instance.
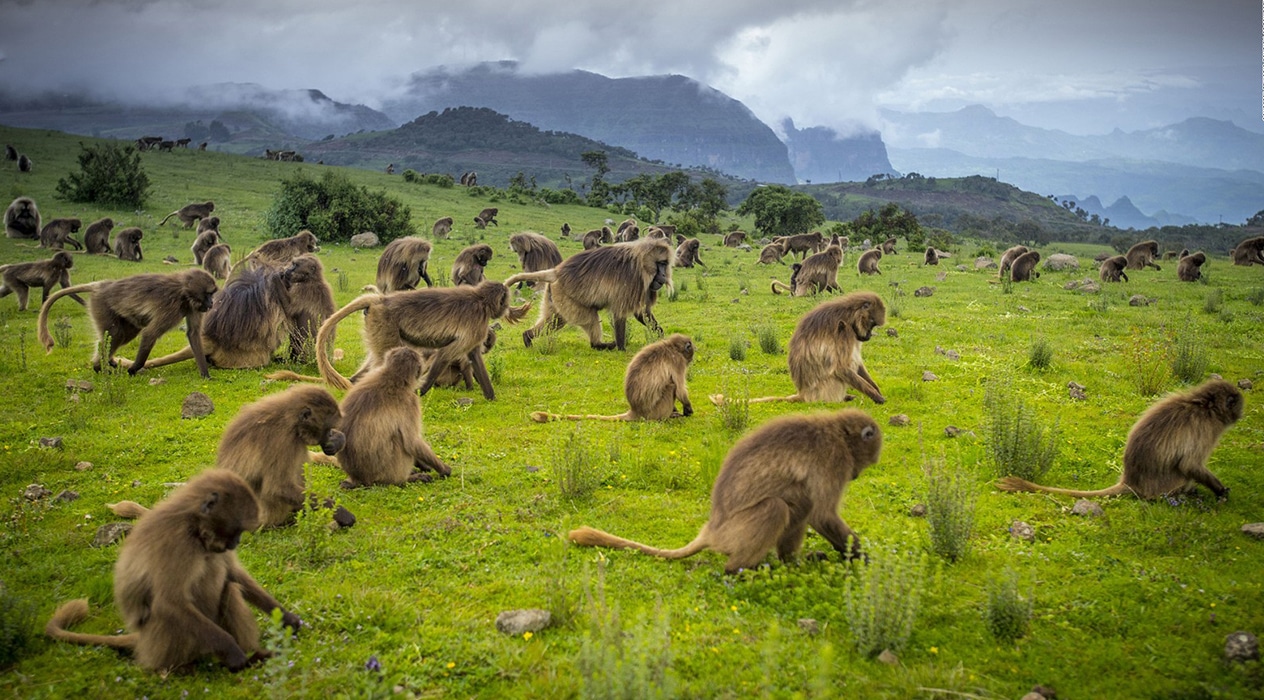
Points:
(1135, 603)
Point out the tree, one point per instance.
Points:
(889, 221)
(599, 193)
(778, 211)
(220, 133)
(108, 174)
(335, 209)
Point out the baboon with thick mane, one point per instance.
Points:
(1023, 269)
(1189, 268)
(403, 264)
(687, 253)
(127, 244)
(1168, 446)
(96, 239)
(1112, 269)
(19, 278)
(535, 252)
(22, 219)
(190, 213)
(467, 268)
(817, 273)
(868, 262)
(57, 233)
(1143, 255)
(653, 383)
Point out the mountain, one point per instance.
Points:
(819, 154)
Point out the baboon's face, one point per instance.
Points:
(870, 315)
(483, 256)
(1227, 403)
(224, 514)
(63, 260)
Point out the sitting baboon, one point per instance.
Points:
(57, 233)
(687, 253)
(190, 213)
(442, 227)
(1167, 449)
(1143, 255)
(805, 243)
(10, 153)
(205, 241)
(1112, 269)
(218, 261)
(734, 239)
(776, 481)
(127, 244)
(817, 273)
(933, 256)
(592, 239)
(311, 301)
(888, 246)
(467, 269)
(403, 264)
(535, 252)
(868, 262)
(566, 230)
(22, 219)
(1248, 252)
(25, 164)
(488, 216)
(771, 253)
(653, 383)
(1023, 269)
(627, 234)
(178, 585)
(18, 278)
(96, 239)
(208, 224)
(1188, 269)
(1007, 259)
(624, 279)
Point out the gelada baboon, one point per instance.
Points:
(868, 262)
(592, 239)
(688, 254)
(57, 233)
(442, 227)
(178, 584)
(1168, 447)
(535, 252)
(311, 301)
(205, 241)
(805, 243)
(127, 244)
(771, 253)
(817, 272)
(282, 250)
(624, 226)
(1143, 255)
(653, 383)
(218, 261)
(96, 240)
(566, 230)
(22, 219)
(467, 268)
(10, 153)
(488, 216)
(623, 279)
(1112, 269)
(734, 239)
(452, 320)
(776, 481)
(1248, 252)
(147, 305)
(459, 371)
(627, 234)
(190, 213)
(1023, 269)
(1007, 259)
(18, 278)
(403, 264)
(657, 232)
(25, 164)
(824, 355)
(934, 255)
(210, 223)
(1189, 268)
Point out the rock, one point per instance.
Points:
(68, 496)
(465, 401)
(51, 442)
(1241, 646)
(929, 376)
(1255, 530)
(110, 533)
(516, 622)
(899, 419)
(344, 517)
(74, 398)
(1076, 391)
(1045, 692)
(745, 248)
(1024, 309)
(952, 431)
(809, 625)
(83, 466)
(1061, 261)
(157, 381)
(1245, 384)
(79, 385)
(1138, 300)
(952, 355)
(1033, 695)
(196, 405)
(892, 333)
(1073, 284)
(368, 239)
(889, 658)
(984, 263)
(918, 510)
(941, 277)
(923, 291)
(1090, 288)
(1023, 531)
(34, 492)
(1086, 507)
(962, 268)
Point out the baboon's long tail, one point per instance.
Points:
(164, 219)
(548, 276)
(42, 333)
(1013, 483)
(286, 375)
(325, 337)
(588, 537)
(127, 509)
(322, 458)
(779, 284)
(74, 611)
(177, 356)
(544, 417)
(719, 399)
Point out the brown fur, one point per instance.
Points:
(1143, 255)
(147, 305)
(566, 230)
(592, 239)
(734, 239)
(624, 279)
(461, 370)
(57, 233)
(467, 269)
(179, 586)
(687, 253)
(311, 301)
(1023, 269)
(403, 264)
(818, 272)
(10, 153)
(22, 219)
(442, 227)
(1247, 252)
(96, 240)
(283, 250)
(653, 383)
(488, 216)
(210, 223)
(127, 244)
(1168, 447)
(1112, 269)
(657, 232)
(776, 481)
(205, 241)
(190, 213)
(25, 164)
(933, 256)
(771, 253)
(218, 261)
(1008, 257)
(1188, 269)
(627, 234)
(535, 252)
(868, 262)
(18, 278)
(804, 243)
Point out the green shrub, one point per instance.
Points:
(17, 626)
(768, 341)
(1148, 363)
(624, 663)
(1019, 445)
(1007, 613)
(1189, 358)
(335, 209)
(1041, 354)
(576, 465)
(1214, 301)
(735, 413)
(562, 196)
(950, 500)
(737, 348)
(881, 599)
(109, 175)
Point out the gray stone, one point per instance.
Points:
(465, 401)
(1076, 391)
(941, 277)
(962, 268)
(1255, 530)
(918, 510)
(899, 419)
(171, 260)
(157, 381)
(368, 239)
(1091, 288)
(1073, 284)
(51, 442)
(809, 625)
(952, 431)
(197, 405)
(923, 291)
(1138, 300)
(984, 263)
(1245, 384)
(1241, 646)
(517, 622)
(110, 533)
(1022, 531)
(79, 385)
(34, 492)
(891, 332)
(83, 466)
(929, 376)
(1024, 309)
(889, 658)
(1033, 695)
(68, 496)
(1045, 692)
(1086, 507)
(1061, 261)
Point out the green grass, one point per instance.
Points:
(1135, 604)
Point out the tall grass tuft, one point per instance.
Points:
(1007, 613)
(950, 500)
(1148, 363)
(63, 331)
(769, 343)
(1018, 442)
(624, 663)
(1256, 296)
(1189, 358)
(1214, 300)
(1040, 357)
(737, 348)
(576, 465)
(17, 626)
(881, 599)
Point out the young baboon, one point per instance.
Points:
(96, 240)
(1143, 255)
(442, 227)
(488, 216)
(218, 261)
(283, 250)
(535, 252)
(25, 164)
(22, 219)
(178, 584)
(127, 244)
(403, 264)
(1023, 269)
(818, 272)
(592, 239)
(653, 383)
(868, 262)
(1189, 268)
(18, 278)
(805, 243)
(467, 269)
(1007, 259)
(734, 239)
(210, 223)
(1247, 252)
(147, 305)
(771, 253)
(1112, 269)
(452, 320)
(190, 213)
(687, 253)
(205, 241)
(624, 279)
(776, 481)
(1168, 447)
(57, 233)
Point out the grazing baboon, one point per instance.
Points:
(624, 279)
(687, 253)
(57, 233)
(96, 239)
(218, 261)
(817, 273)
(1143, 255)
(403, 264)
(205, 241)
(18, 278)
(592, 239)
(1168, 447)
(25, 164)
(488, 216)
(189, 214)
(282, 251)
(467, 269)
(178, 584)
(535, 252)
(1007, 259)
(22, 219)
(1247, 252)
(805, 243)
(1112, 269)
(442, 227)
(10, 153)
(776, 481)
(1188, 269)
(868, 262)
(452, 320)
(127, 244)
(734, 239)
(1023, 269)
(147, 305)
(653, 383)
(627, 234)
(771, 253)
(210, 223)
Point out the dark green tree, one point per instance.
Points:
(108, 174)
(779, 211)
(335, 209)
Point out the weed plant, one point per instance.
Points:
(881, 599)
(950, 500)
(1040, 357)
(576, 465)
(737, 348)
(1214, 301)
(63, 331)
(1255, 296)
(1019, 444)
(1007, 613)
(624, 663)
(1148, 362)
(769, 343)
(1189, 358)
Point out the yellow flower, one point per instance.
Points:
(451, 664)
(934, 650)
(527, 636)
(733, 608)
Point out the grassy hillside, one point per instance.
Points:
(1135, 603)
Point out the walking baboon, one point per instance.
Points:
(127, 244)
(771, 253)
(805, 243)
(403, 264)
(868, 262)
(442, 227)
(1007, 259)
(210, 223)
(190, 213)
(1143, 255)
(283, 250)
(1112, 269)
(96, 239)
(467, 269)
(1168, 447)
(452, 320)
(205, 241)
(18, 278)
(179, 586)
(488, 216)
(734, 239)
(25, 164)
(147, 305)
(57, 233)
(592, 239)
(22, 219)
(653, 383)
(687, 253)
(624, 279)
(1247, 252)
(1023, 269)
(776, 481)
(1188, 269)
(817, 272)
(535, 252)
(218, 261)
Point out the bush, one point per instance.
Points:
(880, 601)
(1214, 301)
(1041, 354)
(562, 196)
(1007, 613)
(737, 348)
(950, 500)
(768, 341)
(1019, 445)
(335, 210)
(17, 625)
(1189, 358)
(109, 175)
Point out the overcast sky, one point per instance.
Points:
(1085, 66)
